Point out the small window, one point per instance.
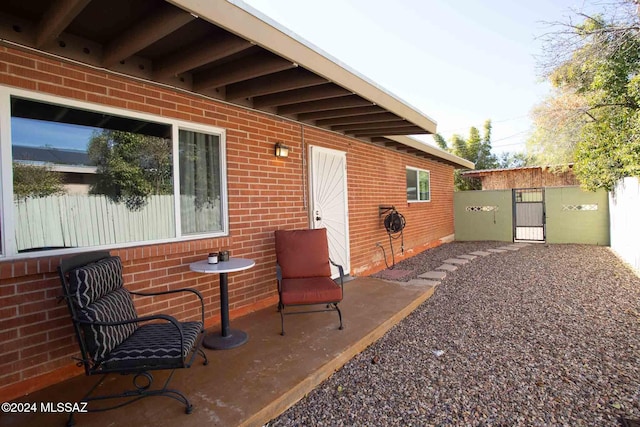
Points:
(418, 185)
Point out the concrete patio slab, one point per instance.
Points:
(469, 257)
(436, 275)
(395, 274)
(497, 251)
(509, 248)
(447, 267)
(251, 384)
(422, 282)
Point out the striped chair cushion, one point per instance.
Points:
(154, 344)
(98, 296)
(95, 280)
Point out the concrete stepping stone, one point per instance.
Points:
(469, 257)
(456, 261)
(447, 267)
(434, 275)
(509, 248)
(521, 245)
(422, 282)
(481, 253)
(497, 251)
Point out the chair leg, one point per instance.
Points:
(204, 356)
(281, 318)
(339, 315)
(140, 391)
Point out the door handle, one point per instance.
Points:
(318, 218)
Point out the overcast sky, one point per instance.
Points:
(459, 62)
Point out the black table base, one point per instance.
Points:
(216, 341)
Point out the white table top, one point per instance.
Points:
(234, 264)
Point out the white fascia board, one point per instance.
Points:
(430, 149)
(241, 19)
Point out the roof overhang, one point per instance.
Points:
(221, 49)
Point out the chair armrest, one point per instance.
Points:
(341, 271)
(174, 291)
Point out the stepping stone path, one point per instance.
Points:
(447, 267)
(456, 261)
(432, 278)
(434, 275)
(481, 253)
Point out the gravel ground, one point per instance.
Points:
(548, 335)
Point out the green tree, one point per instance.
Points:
(594, 66)
(35, 181)
(516, 160)
(476, 148)
(130, 167)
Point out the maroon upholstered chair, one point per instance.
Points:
(304, 273)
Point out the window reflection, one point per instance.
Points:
(84, 178)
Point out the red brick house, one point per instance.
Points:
(205, 91)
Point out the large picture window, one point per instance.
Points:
(83, 178)
(418, 185)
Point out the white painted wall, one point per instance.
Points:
(624, 211)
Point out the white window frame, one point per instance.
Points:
(7, 213)
(417, 171)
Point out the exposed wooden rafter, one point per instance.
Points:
(285, 80)
(314, 93)
(324, 104)
(203, 53)
(56, 19)
(246, 68)
(368, 126)
(163, 22)
(341, 112)
(409, 130)
(366, 118)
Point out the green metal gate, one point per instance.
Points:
(528, 215)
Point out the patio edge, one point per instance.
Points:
(288, 399)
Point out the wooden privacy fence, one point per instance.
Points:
(88, 220)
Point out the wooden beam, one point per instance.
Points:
(315, 93)
(367, 126)
(324, 104)
(201, 54)
(56, 19)
(247, 68)
(146, 32)
(285, 80)
(330, 114)
(411, 130)
(365, 118)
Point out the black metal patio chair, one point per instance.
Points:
(114, 339)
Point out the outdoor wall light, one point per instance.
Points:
(282, 150)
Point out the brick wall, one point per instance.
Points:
(265, 194)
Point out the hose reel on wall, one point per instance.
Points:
(394, 223)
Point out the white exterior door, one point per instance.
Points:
(329, 208)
